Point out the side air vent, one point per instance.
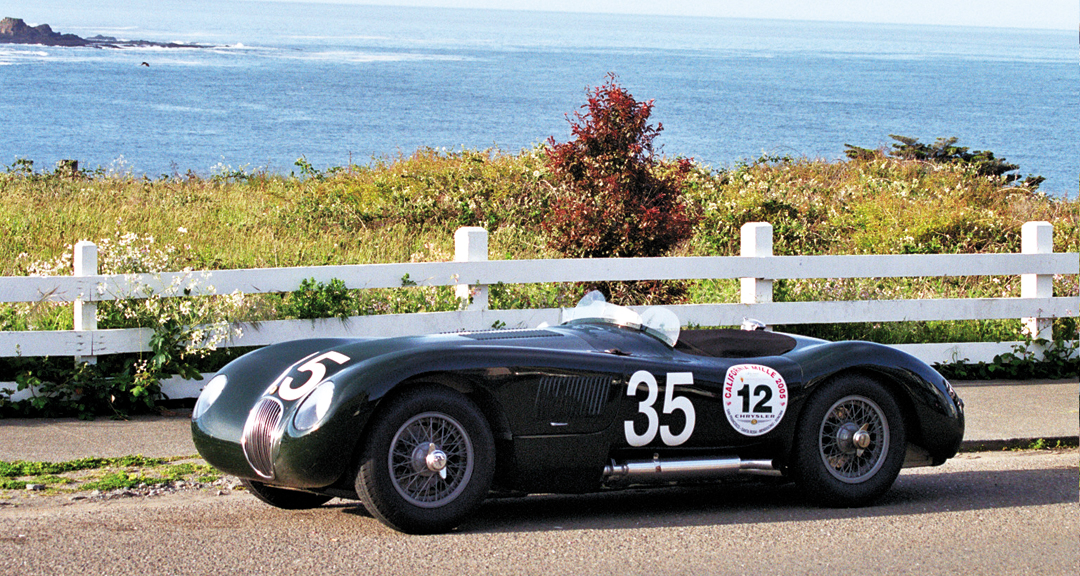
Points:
(561, 398)
(259, 435)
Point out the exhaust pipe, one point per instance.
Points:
(657, 470)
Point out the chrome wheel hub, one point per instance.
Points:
(861, 439)
(429, 460)
(854, 439)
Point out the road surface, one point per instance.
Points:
(981, 513)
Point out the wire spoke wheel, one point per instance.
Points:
(427, 462)
(850, 442)
(854, 439)
(430, 460)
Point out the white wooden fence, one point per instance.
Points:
(472, 272)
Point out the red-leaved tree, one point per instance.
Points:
(614, 197)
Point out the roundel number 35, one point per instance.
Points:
(672, 403)
(316, 370)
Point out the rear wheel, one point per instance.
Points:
(283, 498)
(428, 461)
(850, 443)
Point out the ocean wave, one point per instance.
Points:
(188, 47)
(333, 37)
(187, 109)
(252, 106)
(344, 56)
(179, 62)
(12, 57)
(240, 49)
(24, 52)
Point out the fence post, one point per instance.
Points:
(471, 245)
(757, 240)
(86, 264)
(1037, 238)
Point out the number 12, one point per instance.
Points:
(763, 392)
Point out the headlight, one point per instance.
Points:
(209, 394)
(314, 407)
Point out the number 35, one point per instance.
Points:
(672, 403)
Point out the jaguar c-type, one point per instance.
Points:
(421, 429)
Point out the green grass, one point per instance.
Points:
(104, 474)
(406, 209)
(24, 468)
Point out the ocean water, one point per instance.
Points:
(343, 83)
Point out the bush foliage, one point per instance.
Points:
(613, 197)
(945, 151)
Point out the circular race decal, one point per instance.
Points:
(755, 398)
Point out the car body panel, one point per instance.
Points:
(559, 400)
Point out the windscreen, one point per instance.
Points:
(660, 323)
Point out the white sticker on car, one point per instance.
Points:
(755, 398)
(316, 373)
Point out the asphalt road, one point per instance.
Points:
(981, 513)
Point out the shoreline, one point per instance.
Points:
(16, 31)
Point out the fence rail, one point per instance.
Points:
(472, 272)
(267, 280)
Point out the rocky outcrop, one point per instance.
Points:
(15, 31)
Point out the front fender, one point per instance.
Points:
(936, 414)
(318, 457)
(217, 433)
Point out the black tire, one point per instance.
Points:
(428, 461)
(850, 443)
(284, 498)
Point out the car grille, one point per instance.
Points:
(259, 436)
(564, 397)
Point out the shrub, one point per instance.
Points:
(613, 197)
(945, 151)
(187, 330)
(317, 300)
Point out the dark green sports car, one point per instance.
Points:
(422, 429)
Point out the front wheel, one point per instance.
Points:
(428, 461)
(850, 443)
(284, 498)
